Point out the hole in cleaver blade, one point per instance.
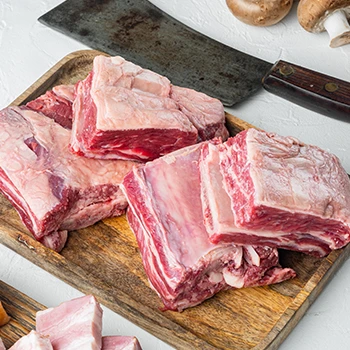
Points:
(140, 32)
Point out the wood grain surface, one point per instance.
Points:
(22, 311)
(104, 260)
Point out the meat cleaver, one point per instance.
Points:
(147, 36)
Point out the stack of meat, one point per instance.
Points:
(75, 324)
(64, 173)
(208, 215)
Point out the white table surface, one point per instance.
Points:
(28, 49)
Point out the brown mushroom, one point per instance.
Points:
(260, 12)
(331, 15)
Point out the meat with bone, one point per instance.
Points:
(75, 324)
(33, 341)
(219, 218)
(56, 104)
(126, 112)
(52, 189)
(183, 266)
(120, 343)
(277, 192)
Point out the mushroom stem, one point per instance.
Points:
(338, 28)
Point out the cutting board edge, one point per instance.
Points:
(305, 298)
(42, 84)
(27, 247)
(32, 250)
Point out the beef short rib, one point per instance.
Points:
(122, 111)
(52, 189)
(267, 189)
(183, 266)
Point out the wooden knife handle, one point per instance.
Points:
(318, 92)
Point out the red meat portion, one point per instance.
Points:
(56, 104)
(183, 266)
(122, 111)
(267, 189)
(52, 189)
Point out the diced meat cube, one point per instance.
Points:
(52, 189)
(183, 266)
(282, 193)
(123, 111)
(120, 343)
(33, 341)
(75, 324)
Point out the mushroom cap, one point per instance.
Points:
(260, 12)
(312, 13)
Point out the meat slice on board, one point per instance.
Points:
(122, 111)
(266, 189)
(183, 266)
(53, 189)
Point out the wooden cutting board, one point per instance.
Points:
(104, 260)
(22, 311)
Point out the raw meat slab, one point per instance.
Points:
(303, 204)
(183, 266)
(98, 256)
(53, 189)
(122, 111)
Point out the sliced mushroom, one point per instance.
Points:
(260, 12)
(316, 16)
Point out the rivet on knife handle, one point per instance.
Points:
(318, 92)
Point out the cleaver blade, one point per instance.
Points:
(142, 33)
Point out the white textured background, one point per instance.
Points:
(28, 49)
